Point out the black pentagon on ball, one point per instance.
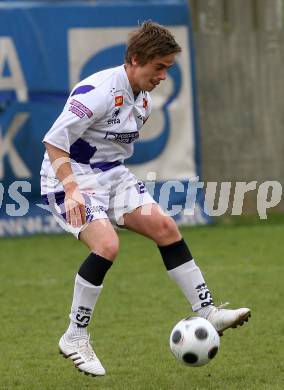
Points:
(190, 358)
(201, 333)
(176, 337)
(212, 353)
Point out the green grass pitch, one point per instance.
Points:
(242, 263)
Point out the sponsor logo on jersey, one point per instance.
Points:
(79, 109)
(118, 101)
(113, 121)
(115, 112)
(124, 138)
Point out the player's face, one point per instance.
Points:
(148, 76)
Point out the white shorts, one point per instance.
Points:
(109, 194)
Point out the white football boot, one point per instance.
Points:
(81, 352)
(223, 319)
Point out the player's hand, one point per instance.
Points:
(75, 207)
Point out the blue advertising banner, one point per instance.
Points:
(45, 48)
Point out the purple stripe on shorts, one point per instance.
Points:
(58, 196)
(55, 198)
(55, 201)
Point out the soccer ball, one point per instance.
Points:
(194, 341)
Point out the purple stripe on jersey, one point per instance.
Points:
(82, 89)
(81, 151)
(105, 166)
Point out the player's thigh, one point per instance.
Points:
(151, 221)
(100, 237)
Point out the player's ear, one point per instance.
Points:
(134, 60)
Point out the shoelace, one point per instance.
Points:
(86, 350)
(222, 305)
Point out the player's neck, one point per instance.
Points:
(129, 71)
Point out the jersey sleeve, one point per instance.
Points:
(80, 112)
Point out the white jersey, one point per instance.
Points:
(99, 123)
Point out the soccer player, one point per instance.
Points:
(86, 184)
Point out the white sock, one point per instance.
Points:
(85, 297)
(205, 311)
(190, 280)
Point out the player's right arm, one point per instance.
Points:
(78, 114)
(74, 202)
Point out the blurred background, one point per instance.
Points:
(240, 77)
(217, 118)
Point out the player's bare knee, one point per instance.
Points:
(167, 232)
(110, 248)
(107, 247)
